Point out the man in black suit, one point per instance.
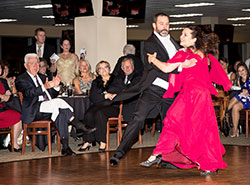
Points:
(42, 49)
(129, 78)
(129, 52)
(152, 86)
(39, 102)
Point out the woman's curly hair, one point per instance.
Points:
(205, 42)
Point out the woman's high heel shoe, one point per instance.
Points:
(150, 162)
(235, 135)
(205, 173)
(85, 149)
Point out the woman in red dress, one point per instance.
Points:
(190, 136)
(8, 117)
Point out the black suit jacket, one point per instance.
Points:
(48, 51)
(31, 93)
(138, 65)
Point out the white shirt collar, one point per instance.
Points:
(161, 37)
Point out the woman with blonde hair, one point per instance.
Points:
(82, 83)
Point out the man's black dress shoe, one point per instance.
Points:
(15, 150)
(68, 152)
(114, 161)
(165, 164)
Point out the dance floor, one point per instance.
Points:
(94, 168)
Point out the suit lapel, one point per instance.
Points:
(160, 44)
(30, 79)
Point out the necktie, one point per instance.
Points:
(126, 80)
(45, 97)
(39, 52)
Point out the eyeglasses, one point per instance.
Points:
(104, 67)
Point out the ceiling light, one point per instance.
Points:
(61, 25)
(182, 22)
(48, 16)
(246, 10)
(194, 5)
(239, 24)
(173, 29)
(238, 18)
(39, 6)
(132, 26)
(187, 15)
(8, 20)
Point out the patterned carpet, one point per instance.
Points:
(148, 141)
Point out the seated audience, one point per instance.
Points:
(8, 117)
(104, 89)
(44, 68)
(82, 83)
(225, 63)
(129, 51)
(39, 102)
(10, 80)
(241, 100)
(67, 65)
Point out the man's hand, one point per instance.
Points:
(48, 84)
(189, 63)
(151, 57)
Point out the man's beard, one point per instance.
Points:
(163, 32)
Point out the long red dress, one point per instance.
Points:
(8, 117)
(190, 136)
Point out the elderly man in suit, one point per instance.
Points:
(152, 86)
(39, 102)
(42, 49)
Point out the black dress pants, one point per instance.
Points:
(145, 104)
(97, 116)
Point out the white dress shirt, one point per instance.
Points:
(41, 49)
(169, 46)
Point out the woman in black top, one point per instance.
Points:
(104, 89)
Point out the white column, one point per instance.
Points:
(102, 37)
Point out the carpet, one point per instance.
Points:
(148, 141)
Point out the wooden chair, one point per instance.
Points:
(221, 100)
(9, 130)
(246, 113)
(116, 124)
(34, 129)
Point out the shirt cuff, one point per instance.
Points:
(57, 88)
(180, 68)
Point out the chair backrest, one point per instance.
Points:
(20, 94)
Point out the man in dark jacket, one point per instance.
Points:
(39, 102)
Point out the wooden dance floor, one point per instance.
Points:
(94, 168)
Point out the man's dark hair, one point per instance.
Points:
(39, 29)
(157, 15)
